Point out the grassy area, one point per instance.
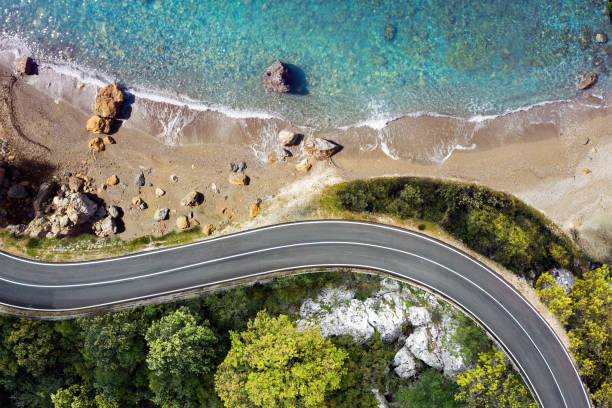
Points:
(491, 223)
(89, 246)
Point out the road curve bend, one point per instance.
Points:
(529, 341)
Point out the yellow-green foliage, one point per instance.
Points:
(587, 313)
(554, 297)
(273, 364)
(492, 384)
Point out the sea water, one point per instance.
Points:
(353, 61)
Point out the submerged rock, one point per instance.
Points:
(108, 101)
(277, 77)
(389, 32)
(588, 79)
(321, 149)
(601, 37)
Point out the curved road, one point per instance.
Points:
(526, 337)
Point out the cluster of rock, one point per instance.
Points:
(316, 148)
(397, 314)
(107, 106)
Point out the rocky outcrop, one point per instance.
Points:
(192, 199)
(564, 278)
(106, 227)
(17, 192)
(45, 191)
(97, 124)
(588, 79)
(277, 77)
(389, 312)
(321, 149)
(108, 101)
(161, 214)
(24, 65)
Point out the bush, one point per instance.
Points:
(430, 390)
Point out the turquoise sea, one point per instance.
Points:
(355, 60)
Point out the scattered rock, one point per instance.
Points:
(75, 184)
(192, 199)
(586, 171)
(109, 140)
(304, 165)
(288, 138)
(108, 101)
(161, 214)
(106, 227)
(389, 32)
(321, 149)
(182, 222)
(285, 153)
(159, 192)
(174, 178)
(11, 157)
(277, 77)
(24, 65)
(96, 144)
(271, 158)
(233, 167)
(139, 203)
(242, 166)
(17, 192)
(45, 192)
(16, 229)
(112, 180)
(114, 211)
(254, 209)
(597, 61)
(214, 188)
(588, 79)
(80, 85)
(239, 179)
(208, 229)
(97, 124)
(601, 37)
(139, 180)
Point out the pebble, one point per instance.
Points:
(140, 180)
(159, 192)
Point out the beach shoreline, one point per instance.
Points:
(536, 153)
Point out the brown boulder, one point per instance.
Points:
(588, 79)
(112, 180)
(96, 144)
(192, 199)
(277, 77)
(182, 222)
(96, 124)
(24, 65)
(254, 209)
(208, 229)
(321, 149)
(239, 179)
(108, 101)
(76, 184)
(303, 165)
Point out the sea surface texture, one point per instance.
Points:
(353, 61)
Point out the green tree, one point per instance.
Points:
(591, 325)
(180, 352)
(492, 384)
(554, 297)
(472, 339)
(273, 364)
(75, 396)
(430, 390)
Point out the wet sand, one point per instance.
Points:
(537, 154)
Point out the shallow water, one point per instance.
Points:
(357, 61)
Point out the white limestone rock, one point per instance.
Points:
(404, 363)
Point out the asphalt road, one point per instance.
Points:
(526, 337)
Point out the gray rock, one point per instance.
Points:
(45, 192)
(233, 167)
(17, 191)
(287, 138)
(113, 211)
(106, 227)
(564, 278)
(242, 166)
(382, 401)
(140, 180)
(192, 199)
(161, 214)
(16, 229)
(404, 363)
(321, 149)
(277, 77)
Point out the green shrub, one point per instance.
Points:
(430, 390)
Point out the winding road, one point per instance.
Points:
(518, 328)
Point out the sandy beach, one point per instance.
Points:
(555, 157)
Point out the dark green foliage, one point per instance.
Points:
(492, 223)
(367, 368)
(471, 338)
(430, 390)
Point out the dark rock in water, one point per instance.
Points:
(277, 77)
(286, 153)
(389, 32)
(378, 59)
(589, 79)
(233, 167)
(597, 61)
(601, 37)
(140, 180)
(242, 166)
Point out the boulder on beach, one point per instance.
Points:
(114, 211)
(288, 138)
(161, 214)
(192, 199)
(108, 101)
(96, 144)
(17, 192)
(321, 149)
(182, 222)
(97, 124)
(588, 79)
(239, 179)
(208, 229)
(277, 77)
(304, 165)
(159, 192)
(139, 180)
(112, 180)
(24, 65)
